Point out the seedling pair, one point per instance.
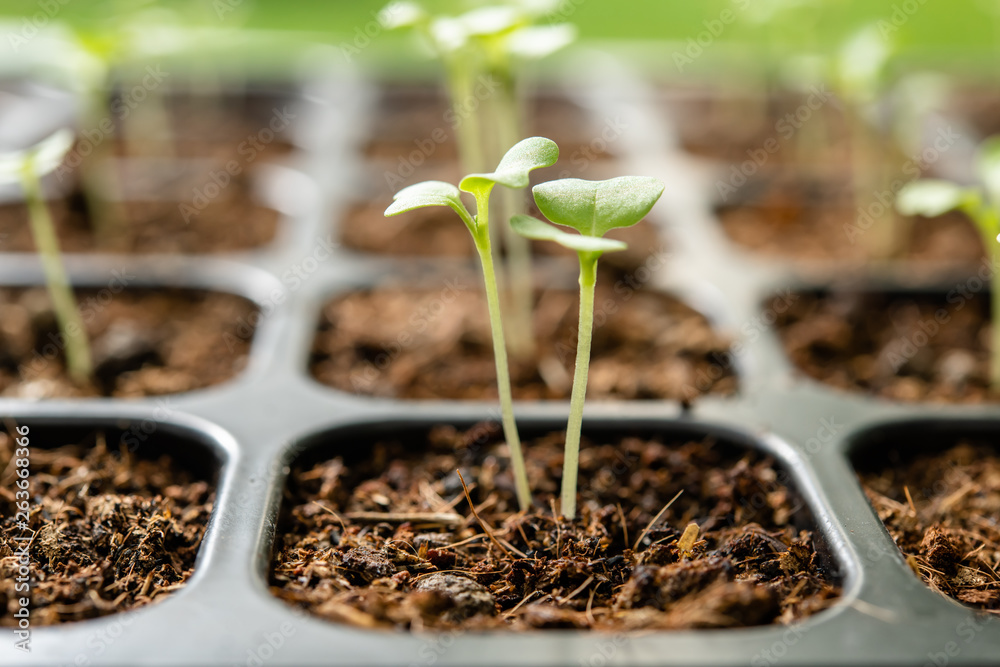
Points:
(592, 208)
(934, 197)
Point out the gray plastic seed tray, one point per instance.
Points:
(258, 422)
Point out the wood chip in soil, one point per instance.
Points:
(427, 344)
(111, 532)
(384, 538)
(900, 347)
(143, 343)
(943, 511)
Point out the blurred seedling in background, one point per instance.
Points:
(512, 172)
(99, 58)
(860, 77)
(592, 208)
(492, 44)
(27, 168)
(934, 197)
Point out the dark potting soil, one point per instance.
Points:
(143, 342)
(230, 222)
(111, 532)
(227, 126)
(811, 219)
(905, 347)
(384, 538)
(783, 128)
(436, 344)
(942, 511)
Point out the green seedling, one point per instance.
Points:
(934, 197)
(512, 172)
(491, 44)
(27, 168)
(98, 58)
(592, 208)
(859, 77)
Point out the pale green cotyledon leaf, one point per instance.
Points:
(931, 198)
(595, 207)
(538, 41)
(401, 14)
(516, 166)
(428, 193)
(533, 228)
(45, 156)
(989, 167)
(488, 21)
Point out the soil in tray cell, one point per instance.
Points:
(942, 510)
(784, 128)
(225, 127)
(816, 219)
(904, 347)
(143, 343)
(433, 344)
(111, 531)
(230, 222)
(419, 118)
(385, 538)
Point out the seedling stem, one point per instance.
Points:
(78, 362)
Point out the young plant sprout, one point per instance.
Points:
(933, 197)
(27, 167)
(593, 208)
(512, 172)
(93, 62)
(859, 78)
(491, 44)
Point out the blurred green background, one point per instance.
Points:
(936, 30)
(958, 24)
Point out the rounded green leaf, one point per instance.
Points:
(931, 198)
(533, 228)
(516, 166)
(595, 207)
(422, 195)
